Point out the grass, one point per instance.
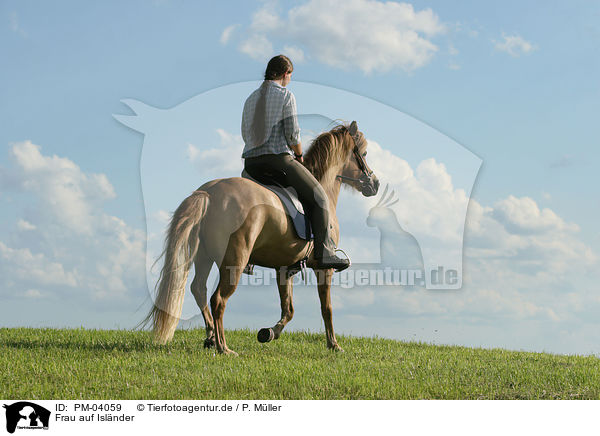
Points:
(95, 364)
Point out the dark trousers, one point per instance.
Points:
(310, 192)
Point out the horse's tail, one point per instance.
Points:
(181, 246)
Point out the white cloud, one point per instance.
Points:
(370, 35)
(228, 33)
(257, 47)
(295, 53)
(22, 265)
(162, 216)
(523, 216)
(68, 244)
(61, 186)
(192, 152)
(265, 19)
(33, 294)
(514, 45)
(516, 232)
(25, 225)
(428, 191)
(220, 160)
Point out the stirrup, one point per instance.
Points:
(249, 269)
(295, 268)
(345, 254)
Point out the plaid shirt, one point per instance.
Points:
(281, 114)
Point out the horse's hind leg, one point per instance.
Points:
(229, 276)
(203, 264)
(285, 286)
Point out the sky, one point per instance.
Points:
(512, 86)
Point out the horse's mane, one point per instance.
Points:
(326, 150)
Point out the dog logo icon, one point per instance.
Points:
(26, 415)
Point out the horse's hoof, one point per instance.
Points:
(265, 335)
(209, 343)
(337, 348)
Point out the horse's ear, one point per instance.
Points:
(353, 129)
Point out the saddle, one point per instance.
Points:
(274, 180)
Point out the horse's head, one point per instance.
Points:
(356, 171)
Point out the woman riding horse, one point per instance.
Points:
(234, 221)
(271, 134)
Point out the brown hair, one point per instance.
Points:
(277, 67)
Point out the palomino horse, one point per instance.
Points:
(235, 221)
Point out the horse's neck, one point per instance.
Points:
(332, 185)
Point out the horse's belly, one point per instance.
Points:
(279, 252)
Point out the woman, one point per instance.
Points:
(271, 135)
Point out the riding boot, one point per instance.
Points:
(325, 254)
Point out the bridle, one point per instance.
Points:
(366, 176)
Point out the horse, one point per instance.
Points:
(236, 221)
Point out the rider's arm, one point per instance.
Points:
(290, 124)
(297, 149)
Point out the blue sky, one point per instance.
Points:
(513, 82)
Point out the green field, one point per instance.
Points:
(96, 364)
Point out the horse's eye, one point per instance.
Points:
(365, 154)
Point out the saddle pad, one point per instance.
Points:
(292, 205)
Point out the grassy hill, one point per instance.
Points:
(92, 364)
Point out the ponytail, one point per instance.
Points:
(277, 67)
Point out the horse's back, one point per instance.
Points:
(240, 191)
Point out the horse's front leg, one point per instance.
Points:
(324, 286)
(285, 286)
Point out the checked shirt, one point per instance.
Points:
(281, 120)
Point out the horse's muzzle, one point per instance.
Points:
(369, 186)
